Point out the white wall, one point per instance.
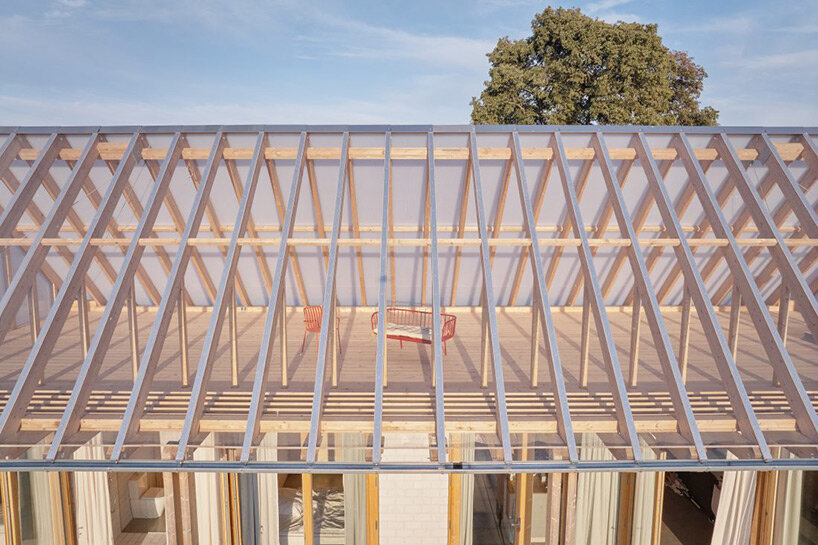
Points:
(413, 507)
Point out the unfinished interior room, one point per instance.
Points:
(484, 335)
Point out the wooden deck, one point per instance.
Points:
(409, 397)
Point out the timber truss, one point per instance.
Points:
(707, 237)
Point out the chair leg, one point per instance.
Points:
(444, 349)
(401, 344)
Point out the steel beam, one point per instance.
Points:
(119, 292)
(603, 327)
(275, 309)
(214, 328)
(543, 307)
(645, 295)
(747, 422)
(328, 301)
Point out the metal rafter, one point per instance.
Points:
(328, 305)
(40, 353)
(26, 274)
(437, 344)
(726, 365)
(275, 307)
(800, 291)
(119, 293)
(647, 297)
(171, 294)
(225, 295)
(380, 356)
(597, 304)
(541, 304)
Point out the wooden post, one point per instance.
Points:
(553, 508)
(333, 344)
(484, 348)
(9, 488)
(735, 319)
(455, 497)
(82, 308)
(133, 329)
(535, 345)
(636, 323)
(585, 338)
(187, 508)
(627, 490)
(306, 495)
(67, 507)
(783, 321)
(234, 341)
(34, 312)
(181, 312)
(283, 331)
(684, 335)
(658, 505)
(523, 491)
(170, 486)
(372, 510)
(764, 508)
(568, 513)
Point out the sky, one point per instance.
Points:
(94, 62)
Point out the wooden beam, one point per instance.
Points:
(279, 199)
(602, 224)
(542, 185)
(356, 233)
(307, 509)
(235, 181)
(461, 228)
(627, 497)
(113, 151)
(214, 225)
(764, 508)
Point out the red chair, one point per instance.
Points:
(312, 323)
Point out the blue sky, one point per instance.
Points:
(324, 61)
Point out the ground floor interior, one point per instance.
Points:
(646, 508)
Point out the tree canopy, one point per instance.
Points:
(575, 69)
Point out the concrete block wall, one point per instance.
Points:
(413, 508)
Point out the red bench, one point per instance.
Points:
(414, 326)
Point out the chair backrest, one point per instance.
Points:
(312, 317)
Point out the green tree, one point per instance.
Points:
(575, 69)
